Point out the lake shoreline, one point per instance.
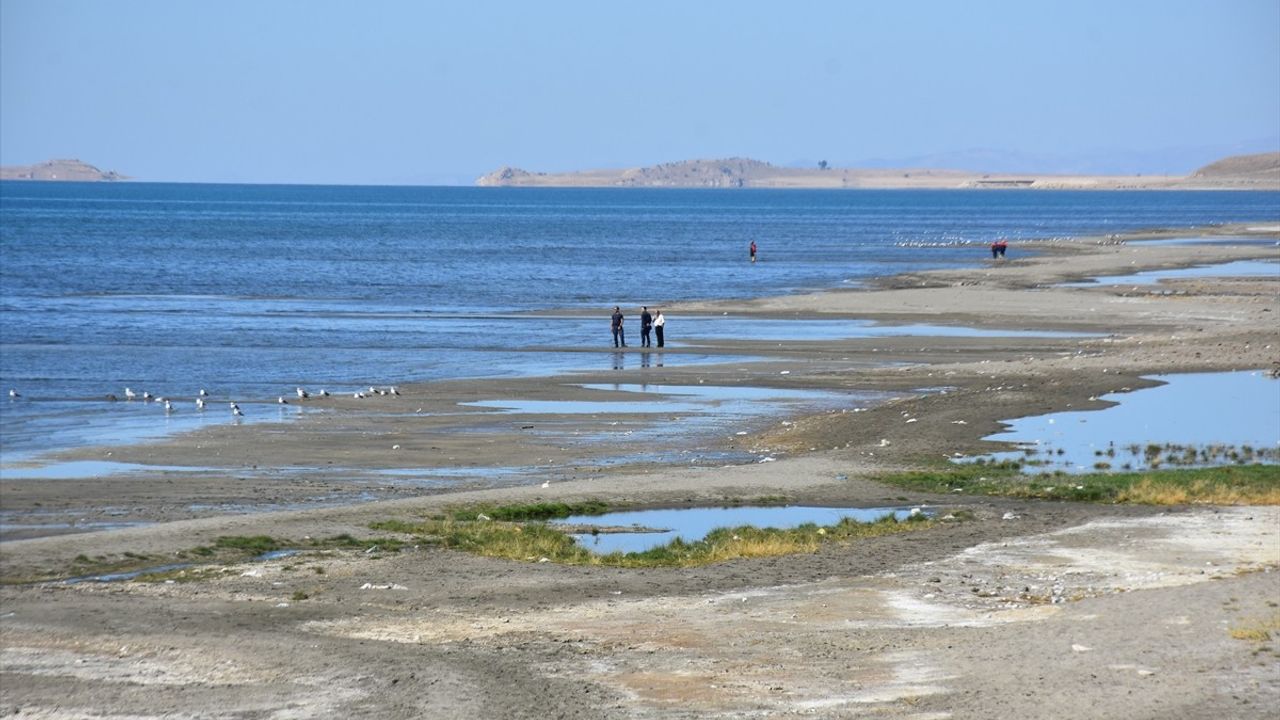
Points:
(524, 639)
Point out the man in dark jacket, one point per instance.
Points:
(646, 324)
(615, 323)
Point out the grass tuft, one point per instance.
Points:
(1256, 630)
(1232, 485)
(532, 511)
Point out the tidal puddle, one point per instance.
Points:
(1215, 240)
(720, 402)
(129, 575)
(654, 528)
(733, 328)
(1224, 417)
(583, 407)
(85, 469)
(1237, 268)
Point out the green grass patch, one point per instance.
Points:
(252, 543)
(1232, 485)
(532, 511)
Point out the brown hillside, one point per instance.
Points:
(1261, 166)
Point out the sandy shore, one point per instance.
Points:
(1033, 609)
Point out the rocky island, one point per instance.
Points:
(66, 170)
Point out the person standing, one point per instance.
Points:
(658, 323)
(753, 251)
(646, 324)
(615, 323)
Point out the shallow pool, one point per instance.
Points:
(655, 528)
(1197, 410)
(1237, 268)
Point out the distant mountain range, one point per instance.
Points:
(1168, 161)
(74, 170)
(1240, 172)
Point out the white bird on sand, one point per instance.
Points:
(146, 396)
(374, 391)
(303, 394)
(235, 410)
(393, 391)
(129, 394)
(204, 393)
(168, 407)
(162, 399)
(282, 401)
(234, 406)
(199, 403)
(358, 395)
(324, 393)
(13, 393)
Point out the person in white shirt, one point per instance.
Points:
(659, 321)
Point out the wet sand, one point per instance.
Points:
(981, 618)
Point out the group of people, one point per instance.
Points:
(649, 323)
(998, 248)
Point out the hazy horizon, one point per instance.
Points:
(402, 93)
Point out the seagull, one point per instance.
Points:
(168, 407)
(146, 396)
(282, 401)
(374, 391)
(324, 393)
(162, 399)
(303, 394)
(129, 394)
(394, 391)
(13, 393)
(358, 395)
(204, 393)
(235, 410)
(199, 403)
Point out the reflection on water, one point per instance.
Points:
(1197, 410)
(654, 528)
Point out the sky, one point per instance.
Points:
(417, 92)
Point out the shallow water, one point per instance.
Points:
(1237, 268)
(83, 469)
(731, 328)
(253, 290)
(1195, 409)
(677, 411)
(659, 527)
(1211, 240)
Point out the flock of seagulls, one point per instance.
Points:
(201, 402)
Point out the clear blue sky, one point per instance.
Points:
(431, 92)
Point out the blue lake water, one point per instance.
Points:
(252, 290)
(1192, 409)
